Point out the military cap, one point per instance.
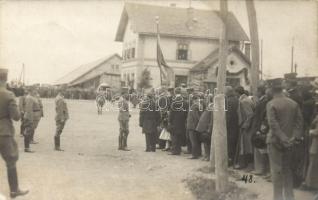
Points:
(314, 83)
(3, 74)
(240, 90)
(177, 90)
(170, 89)
(290, 76)
(276, 83)
(3, 71)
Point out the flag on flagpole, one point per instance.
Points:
(166, 72)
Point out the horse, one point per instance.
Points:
(100, 102)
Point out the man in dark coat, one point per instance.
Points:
(285, 123)
(260, 127)
(149, 120)
(193, 118)
(244, 150)
(8, 147)
(204, 127)
(177, 121)
(231, 122)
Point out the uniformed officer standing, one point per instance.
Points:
(31, 117)
(22, 109)
(123, 119)
(60, 118)
(38, 114)
(8, 146)
(285, 123)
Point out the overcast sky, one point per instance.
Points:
(53, 37)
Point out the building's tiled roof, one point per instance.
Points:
(213, 57)
(176, 21)
(82, 70)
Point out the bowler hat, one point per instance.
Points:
(314, 83)
(3, 71)
(3, 74)
(276, 83)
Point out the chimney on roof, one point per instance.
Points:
(191, 19)
(247, 50)
(173, 5)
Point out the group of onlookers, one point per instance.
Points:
(271, 134)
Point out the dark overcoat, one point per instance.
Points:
(232, 126)
(194, 115)
(177, 116)
(149, 118)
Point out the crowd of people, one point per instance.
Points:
(273, 134)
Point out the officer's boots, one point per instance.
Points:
(14, 185)
(124, 143)
(57, 143)
(120, 143)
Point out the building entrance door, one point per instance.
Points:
(180, 79)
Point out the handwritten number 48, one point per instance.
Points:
(248, 179)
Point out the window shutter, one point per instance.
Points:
(177, 56)
(189, 54)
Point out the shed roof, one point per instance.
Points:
(175, 21)
(213, 57)
(82, 70)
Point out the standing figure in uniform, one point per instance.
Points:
(38, 114)
(123, 119)
(31, 118)
(22, 109)
(8, 146)
(285, 130)
(60, 118)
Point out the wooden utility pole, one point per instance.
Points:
(292, 57)
(219, 133)
(261, 58)
(252, 21)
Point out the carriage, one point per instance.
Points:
(103, 94)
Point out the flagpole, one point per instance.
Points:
(158, 38)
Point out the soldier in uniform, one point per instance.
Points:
(60, 118)
(123, 118)
(285, 124)
(8, 146)
(22, 110)
(31, 118)
(38, 114)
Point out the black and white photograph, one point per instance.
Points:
(159, 99)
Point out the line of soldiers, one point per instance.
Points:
(8, 146)
(29, 111)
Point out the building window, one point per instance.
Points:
(182, 51)
(133, 53)
(128, 53)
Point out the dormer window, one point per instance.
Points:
(182, 51)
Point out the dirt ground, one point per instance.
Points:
(91, 167)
